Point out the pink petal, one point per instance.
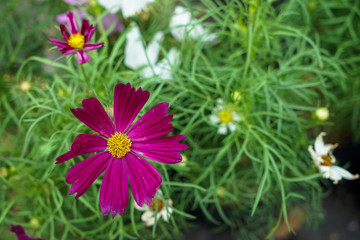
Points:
(94, 116)
(93, 46)
(84, 27)
(64, 32)
(168, 157)
(85, 172)
(89, 33)
(58, 43)
(109, 20)
(114, 192)
(83, 144)
(61, 18)
(20, 233)
(163, 144)
(153, 124)
(67, 51)
(127, 105)
(144, 179)
(82, 57)
(75, 2)
(72, 23)
(161, 149)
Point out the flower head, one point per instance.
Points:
(137, 56)
(324, 160)
(122, 147)
(182, 25)
(158, 207)
(20, 233)
(225, 117)
(76, 41)
(108, 20)
(128, 8)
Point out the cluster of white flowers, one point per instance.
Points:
(128, 8)
(137, 55)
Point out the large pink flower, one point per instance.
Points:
(76, 42)
(122, 147)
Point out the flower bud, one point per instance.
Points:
(4, 172)
(25, 86)
(220, 192)
(34, 223)
(322, 113)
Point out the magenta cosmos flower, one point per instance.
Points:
(123, 146)
(20, 233)
(76, 41)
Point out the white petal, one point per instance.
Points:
(112, 5)
(130, 8)
(147, 215)
(178, 23)
(165, 215)
(135, 54)
(173, 56)
(143, 208)
(222, 129)
(150, 221)
(155, 70)
(235, 117)
(211, 38)
(316, 158)
(214, 119)
(148, 72)
(337, 173)
(153, 48)
(325, 170)
(220, 101)
(232, 126)
(320, 147)
(163, 68)
(182, 24)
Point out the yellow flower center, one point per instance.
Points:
(119, 144)
(160, 204)
(76, 40)
(327, 160)
(225, 116)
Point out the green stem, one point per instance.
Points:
(84, 73)
(102, 31)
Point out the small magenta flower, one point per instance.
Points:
(20, 233)
(123, 146)
(76, 42)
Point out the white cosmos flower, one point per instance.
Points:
(324, 160)
(128, 8)
(226, 118)
(164, 210)
(182, 24)
(137, 55)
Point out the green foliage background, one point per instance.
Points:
(285, 58)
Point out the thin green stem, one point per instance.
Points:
(84, 73)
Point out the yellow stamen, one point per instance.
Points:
(119, 144)
(160, 204)
(225, 116)
(76, 40)
(327, 160)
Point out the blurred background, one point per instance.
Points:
(287, 59)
